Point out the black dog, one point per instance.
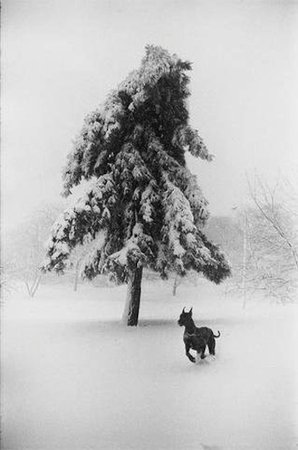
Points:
(196, 338)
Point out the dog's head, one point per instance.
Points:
(185, 317)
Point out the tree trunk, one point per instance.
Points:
(76, 277)
(132, 305)
(244, 262)
(35, 285)
(175, 285)
(32, 288)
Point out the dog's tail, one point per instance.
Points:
(214, 335)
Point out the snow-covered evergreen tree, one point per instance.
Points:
(141, 205)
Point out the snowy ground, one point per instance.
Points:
(74, 378)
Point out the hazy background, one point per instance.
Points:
(60, 59)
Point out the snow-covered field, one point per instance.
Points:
(75, 378)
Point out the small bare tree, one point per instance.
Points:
(190, 278)
(277, 212)
(24, 248)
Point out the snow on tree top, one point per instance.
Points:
(152, 88)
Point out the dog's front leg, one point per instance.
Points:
(203, 356)
(190, 357)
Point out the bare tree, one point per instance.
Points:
(271, 233)
(24, 248)
(260, 242)
(277, 212)
(191, 278)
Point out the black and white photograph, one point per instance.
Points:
(149, 224)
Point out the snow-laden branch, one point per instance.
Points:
(186, 137)
(183, 243)
(136, 253)
(181, 177)
(80, 223)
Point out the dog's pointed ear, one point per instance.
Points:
(183, 310)
(190, 311)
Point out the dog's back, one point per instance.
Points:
(204, 332)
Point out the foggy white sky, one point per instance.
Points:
(60, 59)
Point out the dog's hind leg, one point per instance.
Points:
(211, 346)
